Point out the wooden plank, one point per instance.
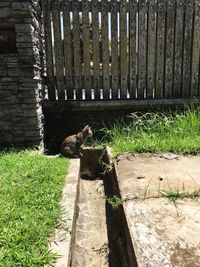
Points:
(187, 48)
(169, 50)
(114, 51)
(123, 51)
(142, 49)
(129, 105)
(199, 79)
(160, 46)
(96, 54)
(151, 62)
(132, 48)
(77, 51)
(86, 50)
(105, 49)
(68, 51)
(48, 50)
(195, 51)
(58, 51)
(178, 49)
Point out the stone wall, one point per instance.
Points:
(21, 119)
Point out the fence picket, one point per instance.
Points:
(105, 50)
(195, 51)
(151, 68)
(96, 51)
(86, 50)
(77, 51)
(142, 49)
(114, 51)
(123, 51)
(178, 49)
(132, 48)
(160, 46)
(187, 48)
(169, 51)
(68, 51)
(49, 50)
(58, 50)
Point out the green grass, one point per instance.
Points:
(30, 190)
(172, 195)
(175, 195)
(173, 132)
(114, 201)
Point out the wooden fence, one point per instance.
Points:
(143, 49)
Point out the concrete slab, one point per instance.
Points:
(147, 175)
(165, 235)
(162, 233)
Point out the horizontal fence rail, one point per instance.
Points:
(143, 49)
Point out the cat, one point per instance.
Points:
(70, 147)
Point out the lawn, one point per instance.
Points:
(177, 132)
(30, 190)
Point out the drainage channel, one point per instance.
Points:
(101, 236)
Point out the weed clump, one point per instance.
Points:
(177, 132)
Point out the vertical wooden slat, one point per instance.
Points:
(160, 45)
(105, 50)
(178, 49)
(142, 49)
(151, 47)
(132, 48)
(123, 51)
(114, 50)
(86, 49)
(187, 48)
(48, 50)
(96, 55)
(195, 50)
(58, 50)
(77, 50)
(68, 50)
(199, 79)
(169, 51)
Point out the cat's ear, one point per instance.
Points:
(86, 127)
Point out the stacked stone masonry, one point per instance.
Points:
(21, 119)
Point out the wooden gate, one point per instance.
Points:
(143, 49)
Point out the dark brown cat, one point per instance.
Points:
(70, 147)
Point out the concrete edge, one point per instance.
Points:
(131, 252)
(62, 240)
